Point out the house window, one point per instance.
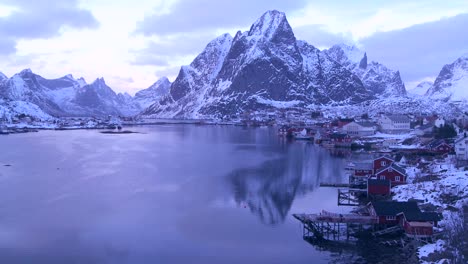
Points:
(397, 178)
(390, 169)
(383, 163)
(382, 177)
(390, 217)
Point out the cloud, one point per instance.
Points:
(318, 36)
(187, 16)
(421, 50)
(172, 49)
(40, 19)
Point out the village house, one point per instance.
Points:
(406, 215)
(439, 146)
(394, 173)
(461, 148)
(381, 162)
(359, 129)
(361, 172)
(394, 124)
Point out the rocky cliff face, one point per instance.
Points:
(452, 81)
(376, 77)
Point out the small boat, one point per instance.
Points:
(302, 135)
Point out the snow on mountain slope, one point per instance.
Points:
(452, 81)
(258, 69)
(67, 96)
(421, 89)
(11, 109)
(150, 95)
(377, 78)
(2, 77)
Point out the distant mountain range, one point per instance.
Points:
(67, 96)
(262, 69)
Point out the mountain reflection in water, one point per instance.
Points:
(270, 189)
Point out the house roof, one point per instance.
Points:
(378, 182)
(394, 167)
(385, 157)
(363, 166)
(425, 127)
(399, 118)
(436, 143)
(460, 140)
(422, 216)
(392, 208)
(338, 135)
(366, 124)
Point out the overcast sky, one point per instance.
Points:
(133, 43)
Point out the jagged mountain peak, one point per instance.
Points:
(344, 51)
(152, 94)
(269, 23)
(25, 72)
(375, 76)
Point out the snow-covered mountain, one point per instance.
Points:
(377, 78)
(452, 81)
(148, 96)
(2, 77)
(265, 67)
(67, 96)
(421, 89)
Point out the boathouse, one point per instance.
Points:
(419, 224)
(406, 215)
(376, 187)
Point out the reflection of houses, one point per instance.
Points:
(340, 140)
(359, 129)
(405, 215)
(394, 124)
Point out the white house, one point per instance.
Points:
(461, 148)
(359, 128)
(394, 124)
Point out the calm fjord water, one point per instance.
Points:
(172, 194)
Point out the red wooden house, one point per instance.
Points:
(395, 174)
(440, 146)
(382, 162)
(419, 224)
(407, 215)
(376, 187)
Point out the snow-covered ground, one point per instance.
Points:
(447, 190)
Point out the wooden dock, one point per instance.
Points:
(333, 226)
(329, 217)
(335, 185)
